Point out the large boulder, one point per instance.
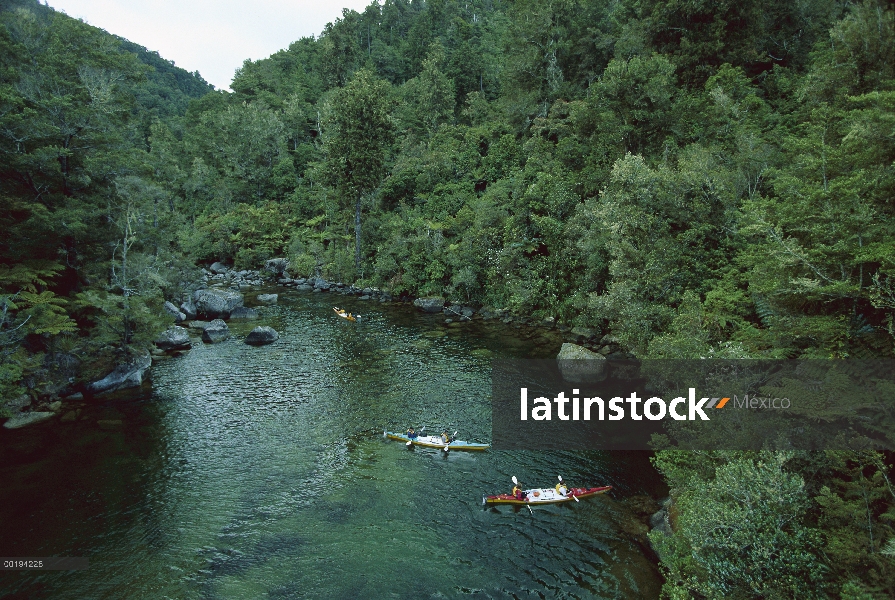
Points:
(429, 305)
(262, 335)
(241, 312)
(29, 418)
(218, 268)
(128, 375)
(188, 309)
(216, 303)
(578, 364)
(172, 310)
(216, 331)
(174, 338)
(267, 298)
(277, 266)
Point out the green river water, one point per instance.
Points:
(262, 472)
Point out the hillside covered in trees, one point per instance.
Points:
(699, 179)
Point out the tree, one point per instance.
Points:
(358, 133)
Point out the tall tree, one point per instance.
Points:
(358, 133)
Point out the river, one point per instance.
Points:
(262, 472)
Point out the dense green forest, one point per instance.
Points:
(698, 179)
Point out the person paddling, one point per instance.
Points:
(561, 488)
(411, 434)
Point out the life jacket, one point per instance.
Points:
(562, 486)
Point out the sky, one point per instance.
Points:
(213, 37)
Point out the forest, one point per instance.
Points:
(697, 179)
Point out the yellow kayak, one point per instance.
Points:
(345, 315)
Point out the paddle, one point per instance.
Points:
(446, 448)
(574, 497)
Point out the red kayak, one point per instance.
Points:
(546, 496)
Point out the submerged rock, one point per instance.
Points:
(262, 335)
(216, 331)
(24, 419)
(242, 312)
(267, 298)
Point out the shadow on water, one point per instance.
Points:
(261, 472)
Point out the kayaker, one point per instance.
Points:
(561, 488)
(411, 434)
(517, 492)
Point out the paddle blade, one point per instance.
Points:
(384, 432)
(516, 481)
(576, 498)
(559, 477)
(408, 443)
(445, 448)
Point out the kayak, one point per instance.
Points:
(435, 441)
(345, 315)
(546, 496)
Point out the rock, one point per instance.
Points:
(579, 364)
(267, 298)
(201, 325)
(18, 403)
(23, 419)
(583, 332)
(661, 521)
(262, 335)
(276, 266)
(364, 297)
(429, 305)
(322, 284)
(75, 396)
(124, 376)
(218, 268)
(303, 287)
(241, 312)
(55, 406)
(217, 331)
(216, 303)
(367, 291)
(188, 309)
(71, 415)
(179, 317)
(174, 338)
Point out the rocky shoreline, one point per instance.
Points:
(218, 298)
